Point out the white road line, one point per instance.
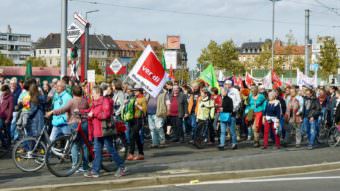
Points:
(262, 180)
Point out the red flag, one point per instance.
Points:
(249, 80)
(240, 81)
(276, 80)
(171, 73)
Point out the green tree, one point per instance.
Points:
(94, 64)
(299, 63)
(37, 62)
(223, 57)
(264, 59)
(329, 59)
(4, 61)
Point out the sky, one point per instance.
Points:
(204, 20)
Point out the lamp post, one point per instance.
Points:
(87, 34)
(273, 32)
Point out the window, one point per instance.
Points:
(103, 53)
(44, 51)
(58, 51)
(50, 51)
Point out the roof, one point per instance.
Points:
(280, 49)
(252, 45)
(128, 45)
(154, 44)
(36, 71)
(96, 42)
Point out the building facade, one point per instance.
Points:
(17, 47)
(100, 47)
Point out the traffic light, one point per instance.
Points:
(74, 52)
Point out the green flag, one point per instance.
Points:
(208, 75)
(163, 60)
(28, 73)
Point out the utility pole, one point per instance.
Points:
(63, 38)
(273, 33)
(307, 41)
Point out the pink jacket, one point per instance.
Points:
(102, 109)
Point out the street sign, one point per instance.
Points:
(314, 67)
(116, 66)
(91, 76)
(74, 32)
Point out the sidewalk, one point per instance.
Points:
(183, 159)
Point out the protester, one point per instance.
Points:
(6, 114)
(139, 108)
(100, 115)
(16, 91)
(37, 110)
(225, 120)
(271, 119)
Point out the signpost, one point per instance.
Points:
(74, 32)
(116, 66)
(91, 76)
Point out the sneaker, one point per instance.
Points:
(130, 157)
(121, 172)
(81, 170)
(234, 146)
(153, 146)
(139, 157)
(297, 146)
(220, 147)
(90, 174)
(256, 144)
(122, 150)
(310, 147)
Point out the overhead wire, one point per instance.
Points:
(191, 13)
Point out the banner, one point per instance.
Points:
(303, 80)
(149, 72)
(267, 81)
(276, 80)
(250, 80)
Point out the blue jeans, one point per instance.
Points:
(193, 124)
(156, 128)
(99, 142)
(14, 131)
(75, 148)
(61, 130)
(311, 130)
(231, 125)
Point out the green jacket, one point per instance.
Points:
(206, 109)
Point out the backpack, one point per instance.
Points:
(128, 112)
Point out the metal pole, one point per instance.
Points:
(307, 42)
(273, 34)
(63, 39)
(87, 35)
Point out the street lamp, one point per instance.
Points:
(87, 12)
(273, 32)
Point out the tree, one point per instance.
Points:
(37, 62)
(94, 64)
(299, 63)
(4, 61)
(329, 59)
(223, 57)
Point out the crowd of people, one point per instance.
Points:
(230, 113)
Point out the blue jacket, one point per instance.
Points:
(59, 101)
(258, 105)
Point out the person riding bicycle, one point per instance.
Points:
(100, 126)
(76, 104)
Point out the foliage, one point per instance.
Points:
(223, 57)
(94, 64)
(299, 63)
(182, 75)
(37, 62)
(4, 61)
(329, 59)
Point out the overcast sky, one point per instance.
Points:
(240, 20)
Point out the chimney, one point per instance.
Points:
(144, 39)
(9, 29)
(149, 39)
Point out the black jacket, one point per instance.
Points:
(311, 108)
(227, 104)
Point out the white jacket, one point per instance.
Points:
(234, 94)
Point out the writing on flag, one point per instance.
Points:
(149, 72)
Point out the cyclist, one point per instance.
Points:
(99, 126)
(77, 103)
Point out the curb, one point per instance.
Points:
(179, 179)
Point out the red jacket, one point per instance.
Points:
(102, 109)
(6, 107)
(217, 102)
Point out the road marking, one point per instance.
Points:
(262, 180)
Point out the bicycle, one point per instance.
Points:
(333, 136)
(201, 132)
(59, 159)
(31, 150)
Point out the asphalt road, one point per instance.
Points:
(328, 181)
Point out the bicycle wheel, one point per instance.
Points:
(333, 137)
(121, 147)
(29, 155)
(199, 138)
(59, 157)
